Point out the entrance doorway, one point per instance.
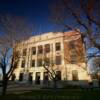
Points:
(37, 78)
(30, 78)
(45, 78)
(21, 77)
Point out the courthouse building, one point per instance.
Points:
(61, 52)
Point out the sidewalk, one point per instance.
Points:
(18, 88)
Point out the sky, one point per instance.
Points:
(36, 11)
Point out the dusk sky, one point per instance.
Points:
(36, 11)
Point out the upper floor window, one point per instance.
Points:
(24, 52)
(58, 60)
(47, 61)
(23, 64)
(17, 54)
(40, 49)
(71, 45)
(39, 62)
(73, 59)
(33, 63)
(47, 48)
(33, 50)
(73, 56)
(16, 64)
(58, 46)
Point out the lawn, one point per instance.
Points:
(59, 94)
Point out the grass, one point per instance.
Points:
(59, 94)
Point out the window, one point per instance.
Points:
(24, 52)
(58, 75)
(17, 53)
(71, 45)
(73, 56)
(37, 78)
(33, 50)
(75, 75)
(47, 48)
(45, 77)
(39, 62)
(23, 64)
(47, 61)
(21, 77)
(30, 77)
(58, 60)
(58, 47)
(33, 63)
(73, 59)
(16, 64)
(40, 49)
(94, 76)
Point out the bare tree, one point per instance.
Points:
(74, 53)
(82, 15)
(79, 14)
(14, 30)
(50, 69)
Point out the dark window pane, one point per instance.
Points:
(58, 60)
(23, 64)
(21, 77)
(24, 52)
(47, 61)
(39, 62)
(17, 54)
(37, 78)
(40, 49)
(58, 47)
(47, 48)
(16, 64)
(73, 59)
(73, 56)
(30, 77)
(71, 45)
(33, 63)
(33, 50)
(94, 76)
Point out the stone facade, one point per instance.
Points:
(65, 50)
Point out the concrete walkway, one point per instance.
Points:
(17, 88)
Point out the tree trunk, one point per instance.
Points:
(4, 85)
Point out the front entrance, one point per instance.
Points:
(45, 78)
(21, 77)
(30, 78)
(37, 78)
